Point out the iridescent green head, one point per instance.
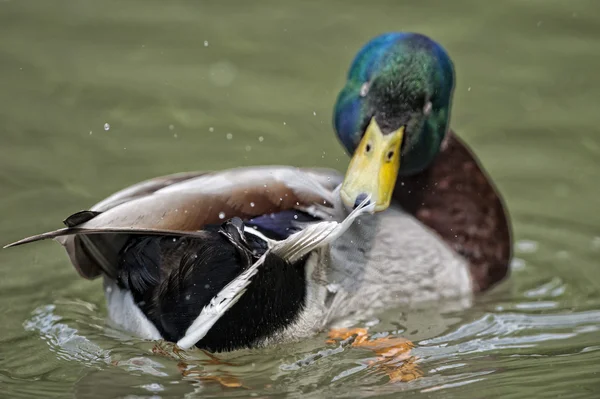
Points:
(393, 113)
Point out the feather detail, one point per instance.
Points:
(318, 234)
(291, 249)
(183, 204)
(222, 302)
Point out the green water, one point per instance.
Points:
(210, 85)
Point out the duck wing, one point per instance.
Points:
(291, 250)
(183, 204)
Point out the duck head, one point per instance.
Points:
(393, 113)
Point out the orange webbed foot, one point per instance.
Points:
(342, 334)
(394, 358)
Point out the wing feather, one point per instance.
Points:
(182, 204)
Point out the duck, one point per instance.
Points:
(254, 256)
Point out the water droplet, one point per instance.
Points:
(221, 215)
(261, 138)
(229, 136)
(207, 286)
(469, 89)
(517, 264)
(364, 89)
(315, 113)
(211, 129)
(295, 216)
(90, 132)
(248, 148)
(174, 239)
(106, 126)
(252, 204)
(284, 123)
(187, 297)
(175, 135)
(206, 43)
(526, 246)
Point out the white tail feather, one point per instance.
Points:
(222, 302)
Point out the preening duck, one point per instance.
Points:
(251, 256)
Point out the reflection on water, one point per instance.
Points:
(96, 96)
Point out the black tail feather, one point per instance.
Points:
(108, 230)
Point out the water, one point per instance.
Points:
(98, 95)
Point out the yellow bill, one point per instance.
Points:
(373, 169)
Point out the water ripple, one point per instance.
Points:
(65, 340)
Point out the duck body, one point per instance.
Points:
(372, 272)
(162, 282)
(247, 257)
(168, 248)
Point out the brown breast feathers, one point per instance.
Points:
(455, 198)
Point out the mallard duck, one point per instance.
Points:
(251, 256)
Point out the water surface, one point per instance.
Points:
(98, 95)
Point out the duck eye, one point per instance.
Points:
(390, 155)
(368, 148)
